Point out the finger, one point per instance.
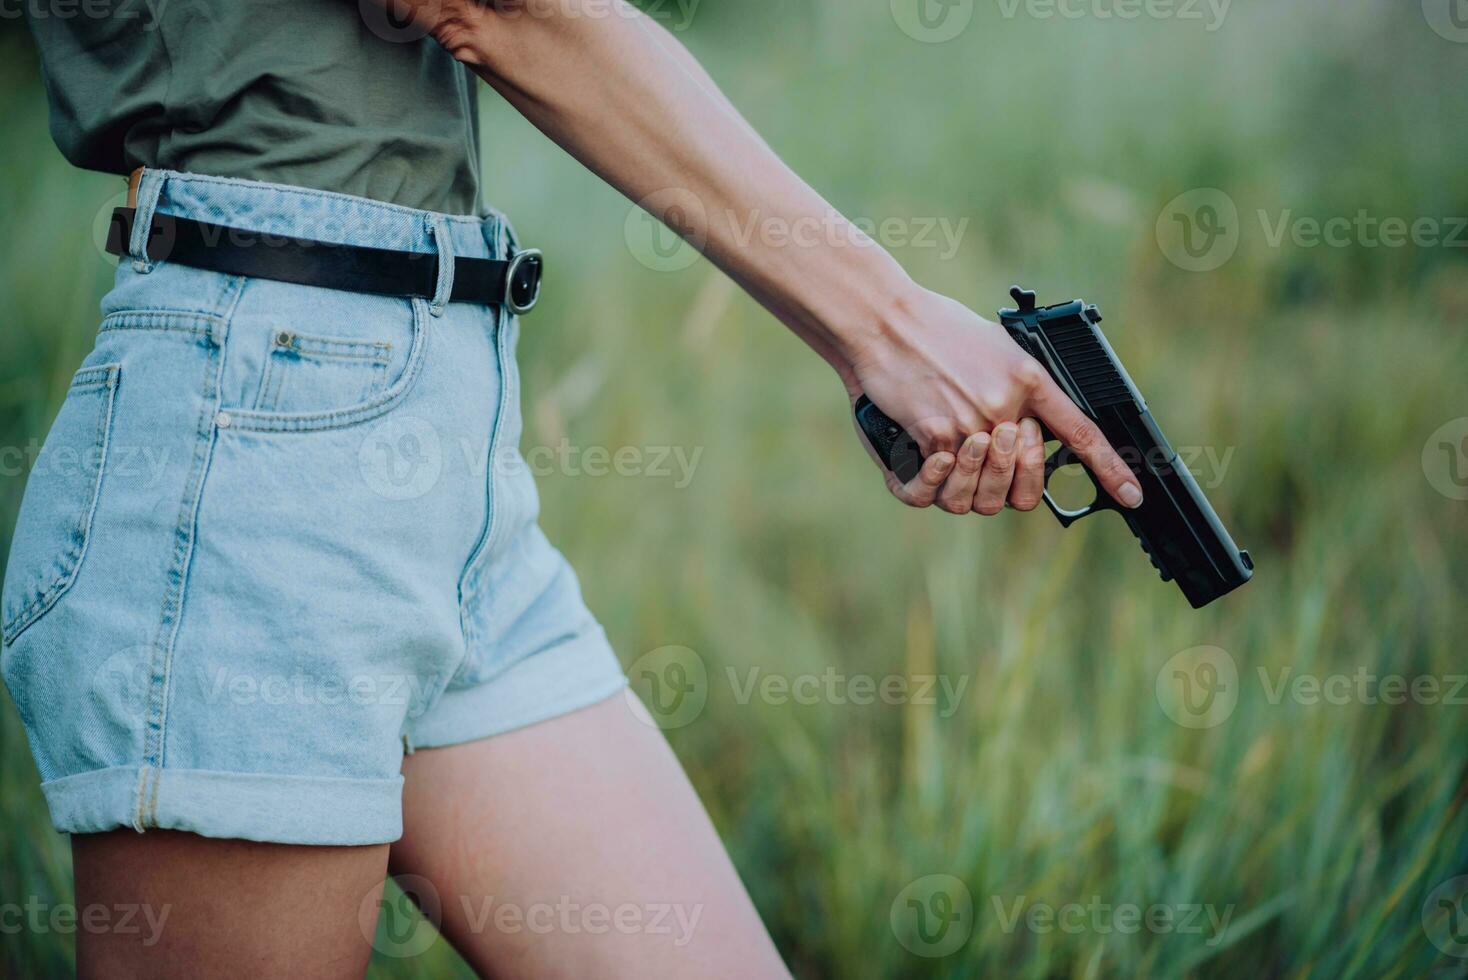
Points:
(1029, 467)
(937, 435)
(923, 488)
(957, 493)
(1070, 426)
(998, 470)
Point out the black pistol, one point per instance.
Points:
(1176, 525)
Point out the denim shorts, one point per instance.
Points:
(279, 535)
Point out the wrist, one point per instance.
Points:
(882, 321)
(871, 308)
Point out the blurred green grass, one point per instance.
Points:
(1059, 777)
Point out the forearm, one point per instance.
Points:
(621, 95)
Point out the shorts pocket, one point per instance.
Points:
(60, 498)
(304, 373)
(317, 383)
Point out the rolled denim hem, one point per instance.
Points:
(238, 805)
(546, 685)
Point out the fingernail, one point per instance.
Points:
(976, 447)
(1004, 438)
(946, 463)
(1131, 495)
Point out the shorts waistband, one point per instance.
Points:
(327, 216)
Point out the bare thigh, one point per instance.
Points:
(577, 848)
(199, 907)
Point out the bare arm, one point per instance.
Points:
(627, 100)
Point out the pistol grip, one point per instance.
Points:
(897, 450)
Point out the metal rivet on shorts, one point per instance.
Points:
(223, 420)
(285, 338)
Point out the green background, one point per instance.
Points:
(1319, 373)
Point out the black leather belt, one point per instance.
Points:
(355, 268)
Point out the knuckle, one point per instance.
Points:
(1085, 439)
(991, 406)
(989, 508)
(1026, 502)
(1030, 375)
(938, 435)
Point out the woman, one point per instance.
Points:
(313, 644)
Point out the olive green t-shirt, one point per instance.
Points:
(325, 94)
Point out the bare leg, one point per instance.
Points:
(224, 908)
(577, 848)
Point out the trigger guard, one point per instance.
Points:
(1064, 457)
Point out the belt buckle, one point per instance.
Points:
(522, 281)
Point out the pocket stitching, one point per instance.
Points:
(273, 377)
(377, 351)
(106, 376)
(258, 421)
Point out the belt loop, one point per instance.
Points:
(150, 187)
(444, 242)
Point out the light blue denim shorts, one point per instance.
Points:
(280, 535)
